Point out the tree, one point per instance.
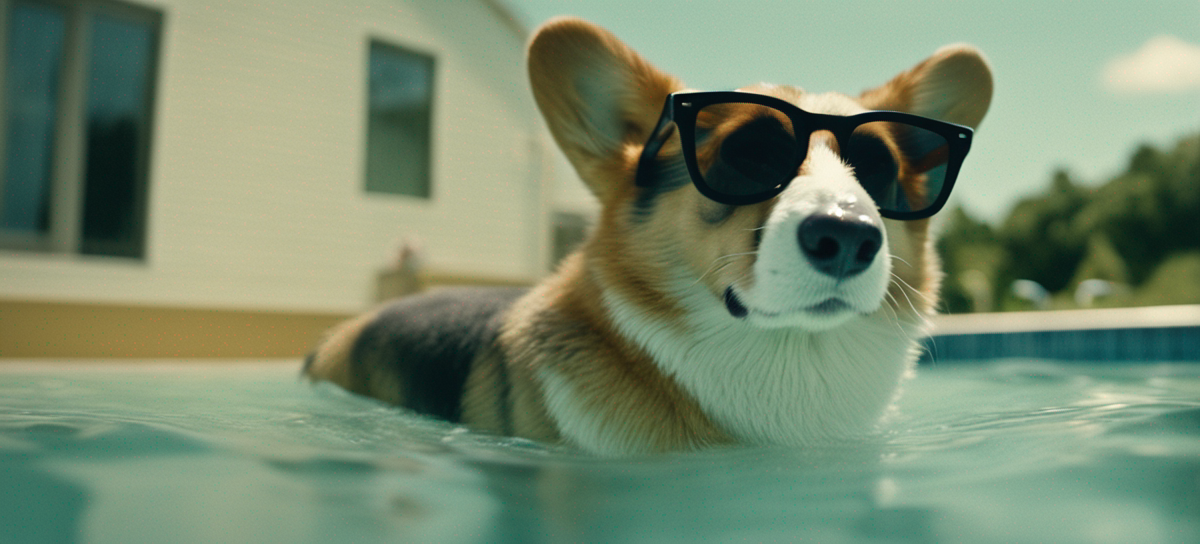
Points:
(1039, 231)
(972, 258)
(1125, 231)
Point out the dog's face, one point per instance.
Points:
(813, 257)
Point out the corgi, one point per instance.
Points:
(760, 272)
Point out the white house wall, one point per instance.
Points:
(256, 182)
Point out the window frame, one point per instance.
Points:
(431, 147)
(68, 163)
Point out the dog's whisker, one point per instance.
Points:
(911, 305)
(895, 317)
(733, 256)
(892, 307)
(898, 324)
(712, 269)
(715, 266)
(892, 300)
(903, 284)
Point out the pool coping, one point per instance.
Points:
(1068, 320)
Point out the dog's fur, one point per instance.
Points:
(632, 345)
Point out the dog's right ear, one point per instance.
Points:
(955, 85)
(599, 97)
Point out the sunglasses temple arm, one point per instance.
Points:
(666, 126)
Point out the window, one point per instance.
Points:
(399, 121)
(77, 103)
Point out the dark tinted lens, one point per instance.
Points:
(901, 166)
(748, 149)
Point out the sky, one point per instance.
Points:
(1078, 84)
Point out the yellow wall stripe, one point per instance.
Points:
(33, 329)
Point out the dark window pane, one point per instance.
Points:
(35, 53)
(399, 118)
(120, 71)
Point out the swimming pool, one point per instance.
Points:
(1012, 451)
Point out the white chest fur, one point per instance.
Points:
(773, 386)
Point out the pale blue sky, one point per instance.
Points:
(1052, 107)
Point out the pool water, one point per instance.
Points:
(1014, 451)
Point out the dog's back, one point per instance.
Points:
(417, 351)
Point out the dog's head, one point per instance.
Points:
(814, 255)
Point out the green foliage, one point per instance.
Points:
(1101, 261)
(1141, 229)
(1175, 281)
(972, 257)
(1040, 231)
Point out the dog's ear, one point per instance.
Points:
(598, 96)
(955, 85)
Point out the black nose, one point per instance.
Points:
(840, 243)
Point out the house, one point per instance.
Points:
(208, 178)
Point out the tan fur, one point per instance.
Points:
(332, 361)
(616, 251)
(562, 328)
(484, 396)
(916, 268)
(954, 72)
(565, 48)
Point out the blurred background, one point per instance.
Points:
(207, 178)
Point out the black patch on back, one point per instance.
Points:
(428, 342)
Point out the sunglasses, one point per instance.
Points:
(744, 148)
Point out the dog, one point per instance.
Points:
(760, 271)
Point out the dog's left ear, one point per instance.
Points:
(954, 85)
(598, 96)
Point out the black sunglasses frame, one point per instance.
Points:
(680, 110)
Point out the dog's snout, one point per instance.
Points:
(840, 242)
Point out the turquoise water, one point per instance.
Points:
(1018, 451)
